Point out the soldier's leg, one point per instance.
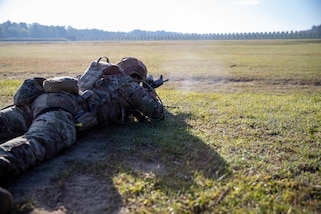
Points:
(14, 121)
(49, 133)
(54, 131)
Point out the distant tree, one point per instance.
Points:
(316, 31)
(31, 31)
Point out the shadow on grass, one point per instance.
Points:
(164, 160)
(71, 182)
(107, 170)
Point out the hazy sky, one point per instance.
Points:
(187, 16)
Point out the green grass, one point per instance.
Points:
(8, 90)
(235, 153)
(240, 139)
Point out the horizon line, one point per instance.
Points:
(119, 31)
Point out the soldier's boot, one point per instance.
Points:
(6, 201)
(4, 172)
(8, 167)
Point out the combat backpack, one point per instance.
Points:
(61, 84)
(96, 71)
(28, 91)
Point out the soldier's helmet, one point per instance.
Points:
(133, 67)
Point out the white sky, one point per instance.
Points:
(187, 16)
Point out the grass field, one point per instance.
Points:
(242, 132)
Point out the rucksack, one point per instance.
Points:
(28, 91)
(61, 84)
(97, 70)
(93, 73)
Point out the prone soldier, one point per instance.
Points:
(48, 118)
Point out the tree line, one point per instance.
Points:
(11, 31)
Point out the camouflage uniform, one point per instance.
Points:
(14, 121)
(117, 92)
(52, 130)
(118, 96)
(54, 115)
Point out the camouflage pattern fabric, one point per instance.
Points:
(48, 101)
(14, 120)
(145, 103)
(49, 133)
(52, 130)
(119, 95)
(54, 116)
(28, 91)
(61, 84)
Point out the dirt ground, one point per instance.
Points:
(40, 190)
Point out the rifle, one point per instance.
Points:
(152, 84)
